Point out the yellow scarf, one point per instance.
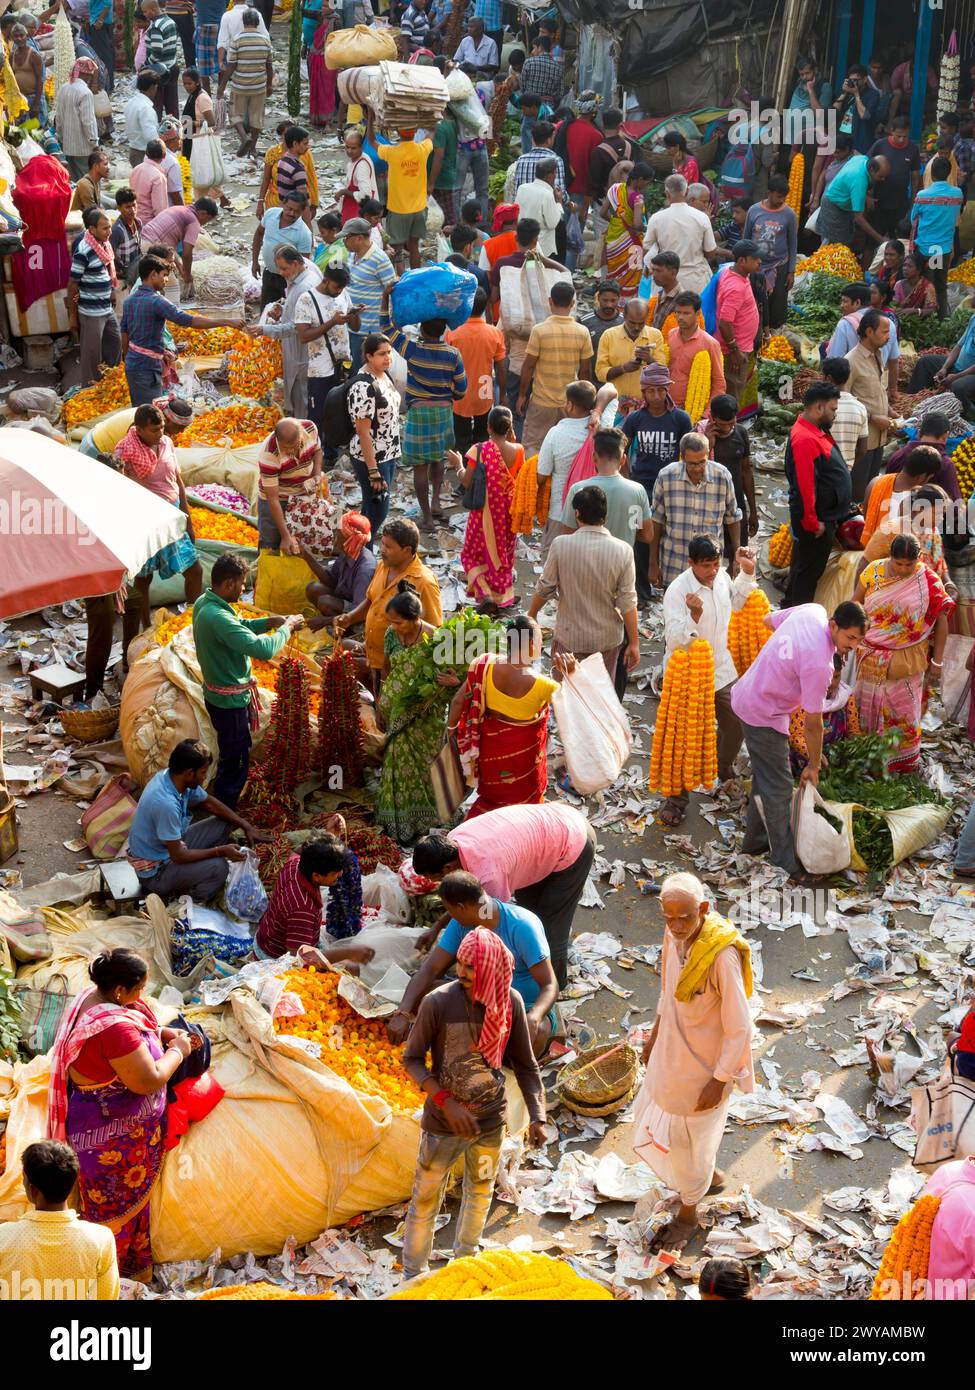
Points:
(716, 934)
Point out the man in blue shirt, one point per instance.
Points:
(468, 906)
(857, 104)
(842, 212)
(172, 856)
(934, 218)
(954, 372)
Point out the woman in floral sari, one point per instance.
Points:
(902, 651)
(487, 473)
(414, 722)
(111, 1064)
(501, 718)
(623, 210)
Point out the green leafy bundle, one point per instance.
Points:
(935, 332)
(10, 1010)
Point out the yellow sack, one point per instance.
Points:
(281, 583)
(838, 580)
(360, 47)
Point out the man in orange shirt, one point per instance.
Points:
(684, 342)
(481, 345)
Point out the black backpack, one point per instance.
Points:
(337, 426)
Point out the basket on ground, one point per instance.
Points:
(90, 725)
(602, 1075)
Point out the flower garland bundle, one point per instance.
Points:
(747, 633)
(797, 174)
(779, 349)
(904, 1266)
(261, 1292)
(370, 845)
(530, 498)
(340, 742)
(218, 526)
(698, 386)
(964, 460)
(232, 425)
(354, 1047)
(208, 342)
(836, 259)
(780, 547)
(110, 392)
(506, 1276)
(948, 78)
(254, 366)
(684, 755)
(288, 756)
(963, 273)
(343, 914)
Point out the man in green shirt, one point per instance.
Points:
(442, 176)
(225, 645)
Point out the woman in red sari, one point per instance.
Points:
(322, 81)
(500, 717)
(111, 1063)
(488, 553)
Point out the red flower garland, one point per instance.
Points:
(340, 742)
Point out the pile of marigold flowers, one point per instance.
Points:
(835, 259)
(110, 392)
(778, 349)
(964, 460)
(905, 1260)
(780, 547)
(684, 754)
(356, 1048)
(221, 526)
(232, 425)
(504, 1276)
(254, 366)
(208, 342)
(747, 633)
(965, 273)
(261, 1292)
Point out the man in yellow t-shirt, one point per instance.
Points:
(406, 197)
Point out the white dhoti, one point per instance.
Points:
(681, 1149)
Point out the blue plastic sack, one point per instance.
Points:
(435, 291)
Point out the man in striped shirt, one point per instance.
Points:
(250, 72)
(415, 24)
(163, 50)
(370, 272)
(435, 378)
(90, 310)
(526, 168)
(293, 917)
(291, 175)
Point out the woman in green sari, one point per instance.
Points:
(414, 723)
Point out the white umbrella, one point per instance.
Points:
(70, 527)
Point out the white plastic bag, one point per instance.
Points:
(956, 681)
(525, 294)
(820, 849)
(384, 890)
(206, 163)
(593, 726)
(244, 895)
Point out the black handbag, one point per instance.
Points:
(475, 496)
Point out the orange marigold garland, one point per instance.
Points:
(904, 1266)
(747, 633)
(254, 366)
(684, 752)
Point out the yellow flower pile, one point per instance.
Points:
(835, 259)
(698, 395)
(964, 460)
(262, 1293)
(207, 342)
(780, 547)
(779, 349)
(964, 273)
(222, 526)
(684, 754)
(356, 1048)
(254, 366)
(908, 1251)
(231, 425)
(110, 392)
(747, 633)
(505, 1276)
(797, 172)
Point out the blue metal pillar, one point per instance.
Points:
(842, 43)
(922, 51)
(866, 31)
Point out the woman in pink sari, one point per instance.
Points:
(322, 81)
(488, 553)
(901, 654)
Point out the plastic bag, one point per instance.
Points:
(593, 726)
(310, 522)
(943, 1118)
(22, 928)
(384, 890)
(244, 894)
(819, 848)
(281, 583)
(206, 163)
(434, 218)
(434, 292)
(525, 294)
(35, 400)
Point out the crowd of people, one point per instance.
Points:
(644, 493)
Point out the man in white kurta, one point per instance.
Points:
(699, 1050)
(699, 604)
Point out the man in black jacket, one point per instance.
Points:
(820, 493)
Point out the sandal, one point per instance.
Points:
(670, 814)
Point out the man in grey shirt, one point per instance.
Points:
(300, 275)
(772, 225)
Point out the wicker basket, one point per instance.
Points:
(90, 725)
(595, 1111)
(613, 1074)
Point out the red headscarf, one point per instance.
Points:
(494, 965)
(355, 530)
(504, 212)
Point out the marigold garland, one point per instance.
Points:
(505, 1276)
(964, 460)
(261, 1292)
(109, 393)
(684, 754)
(254, 366)
(530, 498)
(797, 174)
(747, 633)
(835, 259)
(904, 1265)
(231, 425)
(221, 526)
(698, 396)
(778, 349)
(780, 547)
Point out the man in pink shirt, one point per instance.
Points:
(738, 317)
(148, 182)
(792, 671)
(540, 856)
(698, 1052)
(684, 343)
(176, 225)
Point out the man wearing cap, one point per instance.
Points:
(370, 272)
(341, 585)
(171, 137)
(653, 434)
